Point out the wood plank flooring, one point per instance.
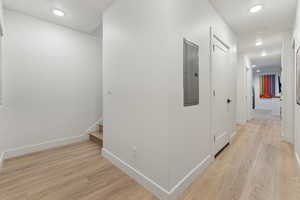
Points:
(257, 166)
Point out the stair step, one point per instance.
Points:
(97, 137)
(100, 128)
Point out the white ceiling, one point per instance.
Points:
(277, 15)
(82, 15)
(270, 62)
(268, 26)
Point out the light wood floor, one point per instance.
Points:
(257, 166)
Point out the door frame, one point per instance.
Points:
(213, 35)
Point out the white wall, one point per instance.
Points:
(2, 28)
(244, 90)
(1, 17)
(297, 107)
(146, 125)
(1, 79)
(189, 127)
(51, 82)
(273, 105)
(288, 89)
(135, 72)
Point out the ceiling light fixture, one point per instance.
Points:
(258, 71)
(256, 8)
(264, 54)
(258, 43)
(59, 13)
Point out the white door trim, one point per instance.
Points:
(214, 37)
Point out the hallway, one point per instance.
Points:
(257, 166)
(132, 100)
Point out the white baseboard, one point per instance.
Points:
(152, 186)
(11, 153)
(182, 185)
(232, 136)
(95, 126)
(148, 183)
(241, 122)
(286, 139)
(298, 158)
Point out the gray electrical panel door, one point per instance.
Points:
(191, 73)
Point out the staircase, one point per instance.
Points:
(97, 136)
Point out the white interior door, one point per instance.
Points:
(220, 85)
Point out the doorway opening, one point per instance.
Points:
(267, 86)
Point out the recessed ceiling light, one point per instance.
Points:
(59, 13)
(258, 71)
(258, 43)
(264, 54)
(256, 8)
